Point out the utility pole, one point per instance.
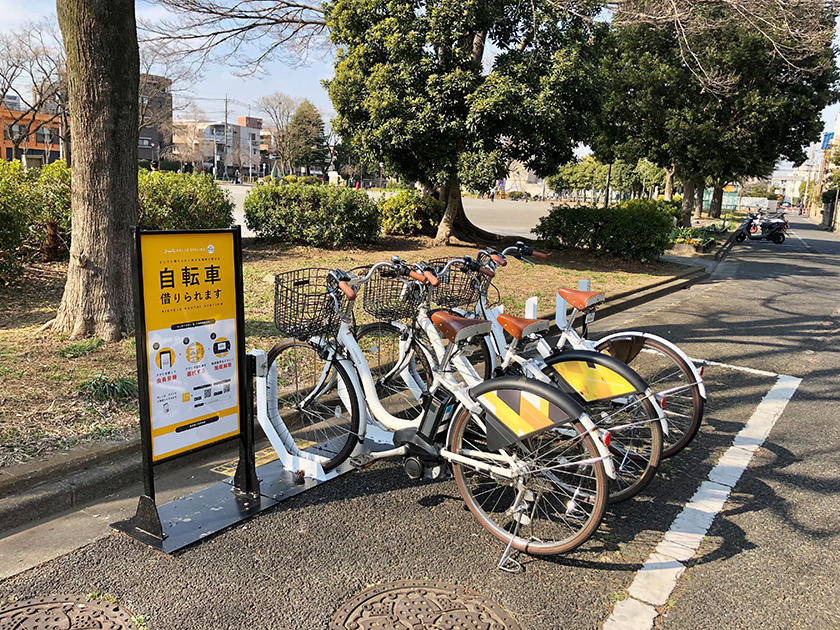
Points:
(808, 180)
(226, 131)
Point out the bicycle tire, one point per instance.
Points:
(380, 343)
(577, 497)
(684, 412)
(632, 421)
(328, 425)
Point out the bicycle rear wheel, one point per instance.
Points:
(670, 379)
(565, 486)
(621, 409)
(316, 402)
(399, 367)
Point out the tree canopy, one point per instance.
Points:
(412, 87)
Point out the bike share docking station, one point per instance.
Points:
(197, 388)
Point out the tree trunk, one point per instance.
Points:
(669, 184)
(100, 37)
(689, 185)
(607, 193)
(699, 193)
(717, 202)
(455, 222)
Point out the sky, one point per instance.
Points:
(218, 80)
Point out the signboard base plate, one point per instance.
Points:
(196, 516)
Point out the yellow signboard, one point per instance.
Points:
(190, 311)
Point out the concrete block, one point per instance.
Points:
(631, 614)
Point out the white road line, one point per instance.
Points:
(800, 238)
(654, 582)
(739, 368)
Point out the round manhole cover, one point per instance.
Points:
(65, 612)
(420, 605)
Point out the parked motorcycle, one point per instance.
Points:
(771, 229)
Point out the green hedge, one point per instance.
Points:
(15, 193)
(409, 214)
(181, 201)
(638, 230)
(321, 216)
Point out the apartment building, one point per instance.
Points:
(36, 134)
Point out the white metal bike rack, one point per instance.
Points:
(290, 456)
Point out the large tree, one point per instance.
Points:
(659, 108)
(103, 61)
(279, 109)
(414, 89)
(306, 141)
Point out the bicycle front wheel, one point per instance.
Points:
(565, 486)
(316, 402)
(672, 382)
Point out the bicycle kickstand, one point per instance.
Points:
(507, 561)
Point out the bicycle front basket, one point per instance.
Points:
(303, 307)
(386, 297)
(457, 286)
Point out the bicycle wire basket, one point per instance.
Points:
(387, 297)
(303, 306)
(458, 286)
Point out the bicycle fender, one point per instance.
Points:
(596, 376)
(519, 408)
(671, 346)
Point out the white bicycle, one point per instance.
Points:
(401, 354)
(528, 461)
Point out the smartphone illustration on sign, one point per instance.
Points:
(165, 359)
(221, 347)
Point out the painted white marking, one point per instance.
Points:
(738, 368)
(800, 238)
(631, 614)
(656, 580)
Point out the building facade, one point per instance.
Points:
(37, 135)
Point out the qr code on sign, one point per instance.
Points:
(227, 388)
(207, 393)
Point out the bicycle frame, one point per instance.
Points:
(471, 377)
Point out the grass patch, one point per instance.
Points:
(58, 394)
(80, 349)
(101, 388)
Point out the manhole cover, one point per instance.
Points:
(64, 612)
(419, 605)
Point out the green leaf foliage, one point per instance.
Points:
(409, 214)
(320, 216)
(15, 200)
(414, 90)
(182, 201)
(638, 229)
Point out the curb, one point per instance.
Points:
(40, 490)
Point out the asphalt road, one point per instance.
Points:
(770, 560)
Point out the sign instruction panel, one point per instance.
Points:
(189, 290)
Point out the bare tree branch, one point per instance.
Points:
(246, 32)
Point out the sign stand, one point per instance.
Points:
(195, 381)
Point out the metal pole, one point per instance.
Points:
(226, 119)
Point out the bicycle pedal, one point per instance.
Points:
(361, 461)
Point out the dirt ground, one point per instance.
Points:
(48, 383)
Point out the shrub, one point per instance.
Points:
(15, 202)
(639, 231)
(409, 214)
(306, 180)
(670, 208)
(180, 201)
(321, 216)
(49, 227)
(829, 196)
